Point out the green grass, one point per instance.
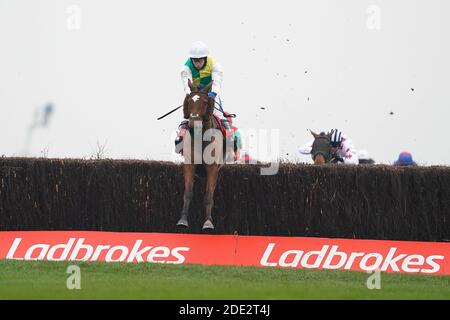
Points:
(47, 280)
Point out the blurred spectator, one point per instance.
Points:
(244, 158)
(405, 159)
(364, 158)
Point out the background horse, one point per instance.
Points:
(198, 109)
(321, 149)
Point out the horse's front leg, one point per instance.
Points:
(212, 173)
(189, 171)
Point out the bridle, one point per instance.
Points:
(205, 118)
(319, 140)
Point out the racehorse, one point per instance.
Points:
(322, 151)
(198, 108)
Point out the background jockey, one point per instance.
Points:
(237, 136)
(405, 159)
(342, 148)
(201, 68)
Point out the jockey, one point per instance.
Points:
(201, 68)
(342, 148)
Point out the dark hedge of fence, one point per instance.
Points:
(366, 201)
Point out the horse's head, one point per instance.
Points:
(321, 149)
(197, 106)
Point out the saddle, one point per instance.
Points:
(227, 134)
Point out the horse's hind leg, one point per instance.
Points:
(211, 182)
(189, 170)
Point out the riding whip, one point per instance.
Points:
(169, 112)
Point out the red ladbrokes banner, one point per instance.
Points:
(287, 252)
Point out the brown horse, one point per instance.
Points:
(322, 151)
(205, 155)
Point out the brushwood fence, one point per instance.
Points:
(366, 201)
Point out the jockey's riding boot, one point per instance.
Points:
(180, 135)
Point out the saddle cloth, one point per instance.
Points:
(222, 128)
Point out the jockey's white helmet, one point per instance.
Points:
(198, 50)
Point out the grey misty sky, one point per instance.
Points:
(311, 64)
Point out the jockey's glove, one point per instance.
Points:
(338, 159)
(212, 95)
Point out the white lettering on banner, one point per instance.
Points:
(409, 261)
(335, 259)
(66, 248)
(363, 265)
(136, 254)
(80, 246)
(13, 249)
(165, 252)
(86, 252)
(122, 257)
(177, 255)
(431, 262)
(333, 253)
(391, 261)
(297, 254)
(326, 256)
(320, 255)
(98, 251)
(43, 251)
(266, 256)
(352, 258)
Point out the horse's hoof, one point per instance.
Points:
(208, 225)
(182, 223)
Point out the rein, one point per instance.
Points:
(231, 115)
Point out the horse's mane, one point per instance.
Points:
(210, 108)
